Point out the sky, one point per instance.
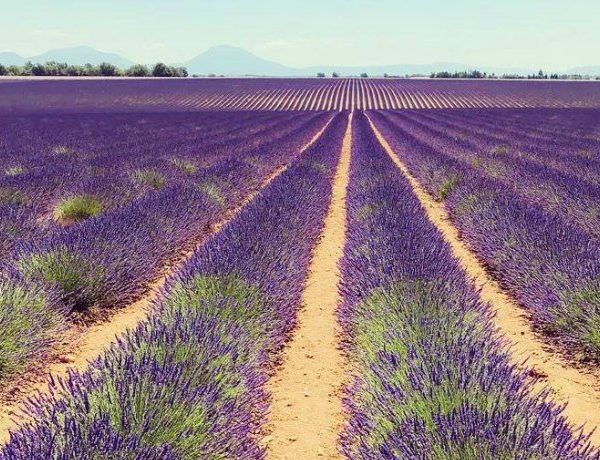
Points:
(549, 34)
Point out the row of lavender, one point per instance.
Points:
(188, 383)
(109, 260)
(565, 142)
(558, 172)
(548, 257)
(433, 379)
(281, 94)
(110, 160)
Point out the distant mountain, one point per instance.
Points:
(234, 61)
(230, 60)
(80, 55)
(8, 58)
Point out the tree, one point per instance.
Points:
(320, 75)
(74, 71)
(27, 69)
(107, 69)
(161, 70)
(138, 70)
(38, 70)
(364, 75)
(89, 70)
(180, 72)
(335, 75)
(53, 68)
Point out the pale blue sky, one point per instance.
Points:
(534, 33)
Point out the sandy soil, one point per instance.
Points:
(306, 414)
(81, 345)
(578, 388)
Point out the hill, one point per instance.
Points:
(230, 60)
(80, 55)
(234, 61)
(9, 58)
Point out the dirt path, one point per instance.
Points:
(306, 414)
(78, 346)
(579, 388)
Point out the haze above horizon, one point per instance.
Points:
(301, 33)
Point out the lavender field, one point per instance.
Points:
(285, 94)
(208, 208)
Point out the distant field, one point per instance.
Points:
(290, 94)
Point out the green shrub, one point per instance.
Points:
(366, 210)
(213, 192)
(500, 149)
(185, 165)
(14, 170)
(62, 150)
(578, 314)
(26, 322)
(319, 167)
(447, 187)
(98, 171)
(77, 208)
(11, 195)
(80, 282)
(149, 177)
(244, 308)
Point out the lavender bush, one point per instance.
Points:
(549, 262)
(110, 259)
(115, 159)
(559, 174)
(433, 379)
(189, 383)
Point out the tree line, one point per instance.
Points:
(541, 75)
(476, 74)
(104, 69)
